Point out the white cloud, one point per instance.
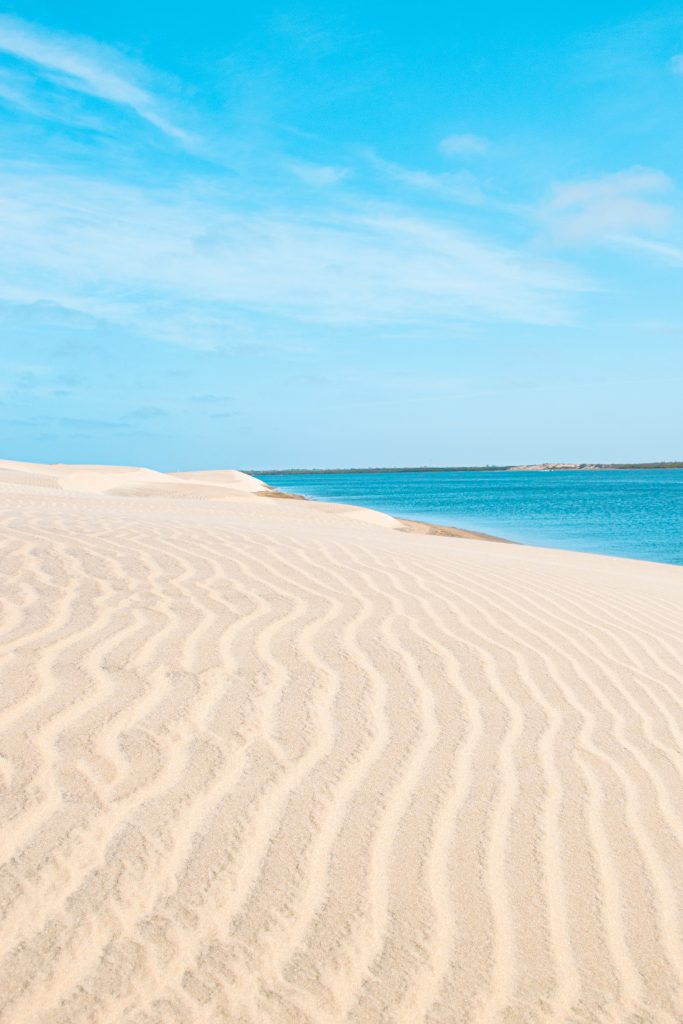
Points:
(671, 253)
(43, 313)
(147, 259)
(461, 187)
(12, 91)
(677, 64)
(608, 209)
(22, 91)
(203, 265)
(317, 174)
(464, 145)
(85, 67)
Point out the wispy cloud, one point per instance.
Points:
(677, 64)
(24, 91)
(464, 145)
(611, 208)
(198, 265)
(86, 67)
(255, 261)
(670, 253)
(317, 174)
(461, 186)
(44, 313)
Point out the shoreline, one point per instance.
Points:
(421, 526)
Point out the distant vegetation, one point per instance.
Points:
(463, 469)
(382, 469)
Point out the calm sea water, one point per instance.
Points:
(635, 513)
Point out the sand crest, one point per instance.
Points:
(272, 761)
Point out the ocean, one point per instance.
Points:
(632, 513)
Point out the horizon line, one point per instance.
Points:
(532, 467)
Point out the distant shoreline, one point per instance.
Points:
(546, 467)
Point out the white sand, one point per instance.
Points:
(264, 761)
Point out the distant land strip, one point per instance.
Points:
(540, 467)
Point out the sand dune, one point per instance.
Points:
(264, 763)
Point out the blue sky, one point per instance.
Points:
(332, 235)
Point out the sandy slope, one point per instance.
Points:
(262, 761)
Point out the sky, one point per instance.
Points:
(358, 234)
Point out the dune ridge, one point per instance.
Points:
(270, 761)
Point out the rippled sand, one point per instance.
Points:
(274, 761)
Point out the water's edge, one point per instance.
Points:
(627, 514)
(408, 525)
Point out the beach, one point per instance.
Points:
(293, 762)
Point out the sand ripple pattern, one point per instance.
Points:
(265, 764)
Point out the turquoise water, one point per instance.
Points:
(634, 513)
